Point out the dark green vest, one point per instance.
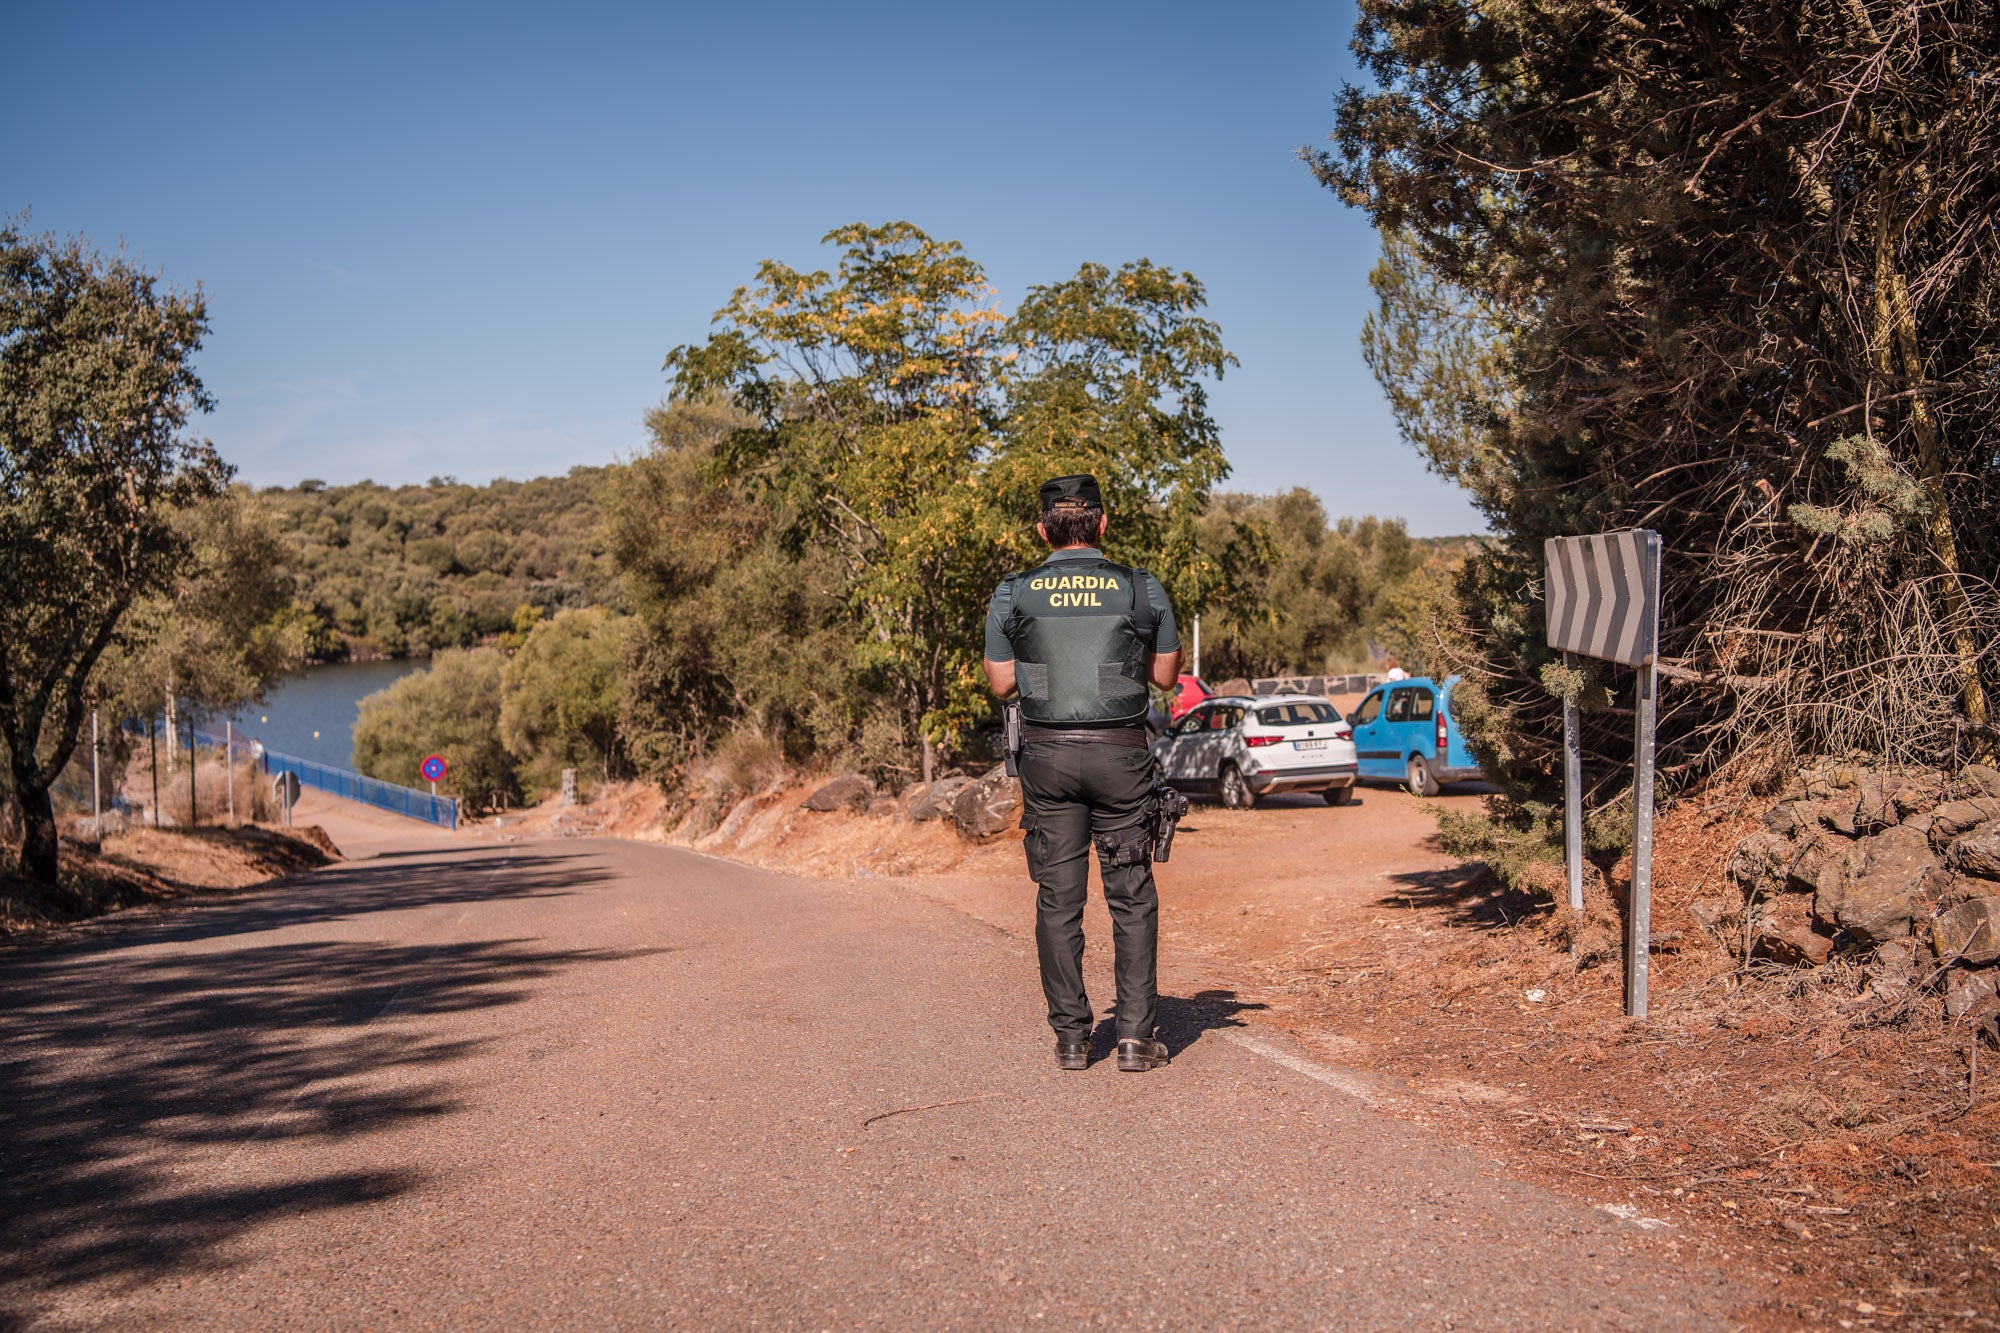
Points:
(1082, 633)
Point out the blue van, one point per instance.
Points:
(1403, 732)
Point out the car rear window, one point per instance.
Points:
(1297, 715)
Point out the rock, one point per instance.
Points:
(882, 807)
(1789, 817)
(1839, 813)
(1982, 776)
(1898, 957)
(1977, 852)
(1921, 823)
(1794, 946)
(933, 801)
(1879, 899)
(1761, 861)
(1917, 796)
(1956, 817)
(1893, 968)
(849, 791)
(1820, 867)
(988, 806)
(1710, 914)
(1875, 810)
(1964, 991)
(1969, 932)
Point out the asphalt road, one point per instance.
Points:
(615, 1085)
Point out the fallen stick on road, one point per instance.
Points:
(931, 1106)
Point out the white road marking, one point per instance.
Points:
(1625, 1212)
(1312, 1069)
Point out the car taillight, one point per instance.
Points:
(1443, 735)
(1343, 733)
(1262, 740)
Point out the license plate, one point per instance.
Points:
(1309, 745)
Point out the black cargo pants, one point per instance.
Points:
(1076, 792)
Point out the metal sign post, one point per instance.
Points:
(1603, 601)
(1572, 797)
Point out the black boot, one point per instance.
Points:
(1072, 1054)
(1138, 1054)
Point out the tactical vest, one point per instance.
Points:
(1082, 633)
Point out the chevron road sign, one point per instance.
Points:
(1604, 595)
(1603, 601)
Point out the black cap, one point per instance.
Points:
(1080, 489)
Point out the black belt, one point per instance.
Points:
(1134, 736)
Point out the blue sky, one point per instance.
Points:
(460, 239)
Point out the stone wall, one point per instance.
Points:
(1899, 868)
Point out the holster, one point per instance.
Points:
(1169, 806)
(1010, 737)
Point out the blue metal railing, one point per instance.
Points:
(351, 786)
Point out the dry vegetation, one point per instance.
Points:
(145, 865)
(1827, 1120)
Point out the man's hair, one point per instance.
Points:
(1072, 524)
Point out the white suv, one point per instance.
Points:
(1242, 748)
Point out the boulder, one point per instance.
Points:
(1956, 817)
(1761, 861)
(1878, 901)
(882, 807)
(1790, 817)
(849, 791)
(1983, 776)
(1964, 991)
(1969, 932)
(932, 801)
(1794, 946)
(988, 806)
(1838, 812)
(1917, 796)
(1977, 852)
(1820, 866)
(1875, 809)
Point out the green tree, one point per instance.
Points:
(901, 424)
(1751, 292)
(96, 386)
(1336, 595)
(560, 697)
(739, 627)
(451, 709)
(223, 632)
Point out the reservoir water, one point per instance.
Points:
(312, 714)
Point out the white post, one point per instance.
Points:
(229, 765)
(1196, 671)
(1572, 795)
(96, 786)
(1639, 919)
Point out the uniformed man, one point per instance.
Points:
(1080, 638)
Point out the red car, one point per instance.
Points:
(1189, 691)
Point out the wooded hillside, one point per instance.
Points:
(407, 570)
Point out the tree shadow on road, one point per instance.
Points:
(1182, 1020)
(347, 890)
(1470, 895)
(120, 1065)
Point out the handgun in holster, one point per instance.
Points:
(1169, 806)
(1010, 733)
